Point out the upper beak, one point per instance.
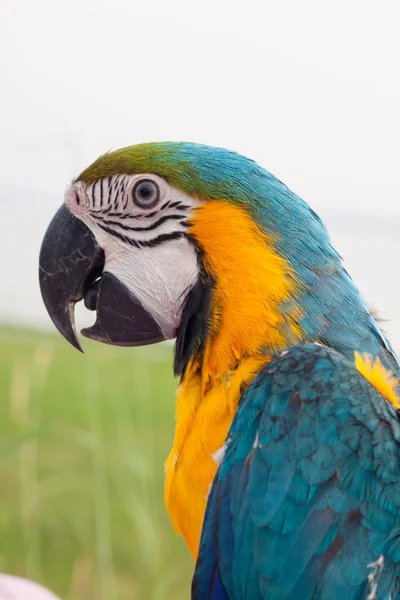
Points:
(70, 260)
(71, 267)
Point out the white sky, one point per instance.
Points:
(309, 88)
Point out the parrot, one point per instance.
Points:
(284, 474)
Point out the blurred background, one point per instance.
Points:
(308, 88)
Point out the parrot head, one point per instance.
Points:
(120, 243)
(180, 240)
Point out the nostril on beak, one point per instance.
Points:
(75, 200)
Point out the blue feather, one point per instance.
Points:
(306, 510)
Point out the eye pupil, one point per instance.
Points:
(146, 193)
(144, 190)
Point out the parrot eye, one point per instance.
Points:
(146, 193)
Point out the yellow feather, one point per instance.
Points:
(382, 379)
(252, 280)
(201, 429)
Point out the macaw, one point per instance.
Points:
(284, 475)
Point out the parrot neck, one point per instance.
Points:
(244, 326)
(255, 308)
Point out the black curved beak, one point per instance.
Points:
(71, 265)
(70, 260)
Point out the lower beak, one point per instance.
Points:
(71, 268)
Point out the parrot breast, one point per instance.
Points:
(204, 417)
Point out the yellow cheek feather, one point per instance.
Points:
(251, 282)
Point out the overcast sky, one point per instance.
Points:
(309, 88)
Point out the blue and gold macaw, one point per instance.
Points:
(284, 476)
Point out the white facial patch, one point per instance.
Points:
(159, 277)
(145, 248)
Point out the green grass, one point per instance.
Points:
(82, 446)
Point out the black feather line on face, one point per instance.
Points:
(101, 192)
(195, 321)
(154, 225)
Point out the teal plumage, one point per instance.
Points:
(308, 494)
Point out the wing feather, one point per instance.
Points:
(307, 498)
